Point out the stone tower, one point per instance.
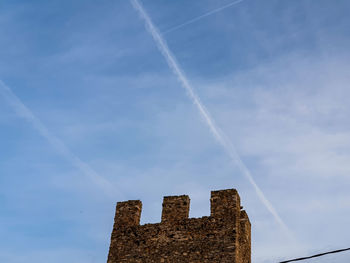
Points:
(222, 237)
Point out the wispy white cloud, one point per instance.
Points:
(292, 119)
(300, 111)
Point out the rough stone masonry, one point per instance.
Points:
(224, 236)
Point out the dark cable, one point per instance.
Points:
(317, 255)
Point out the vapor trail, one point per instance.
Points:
(57, 144)
(215, 130)
(202, 16)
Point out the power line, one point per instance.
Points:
(315, 256)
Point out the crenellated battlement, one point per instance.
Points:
(224, 204)
(224, 236)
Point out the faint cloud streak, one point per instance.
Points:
(202, 16)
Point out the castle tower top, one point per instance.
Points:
(224, 236)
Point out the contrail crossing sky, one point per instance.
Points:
(24, 112)
(215, 130)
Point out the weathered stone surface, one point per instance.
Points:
(224, 236)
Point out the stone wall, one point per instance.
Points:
(224, 236)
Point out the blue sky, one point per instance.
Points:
(91, 114)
